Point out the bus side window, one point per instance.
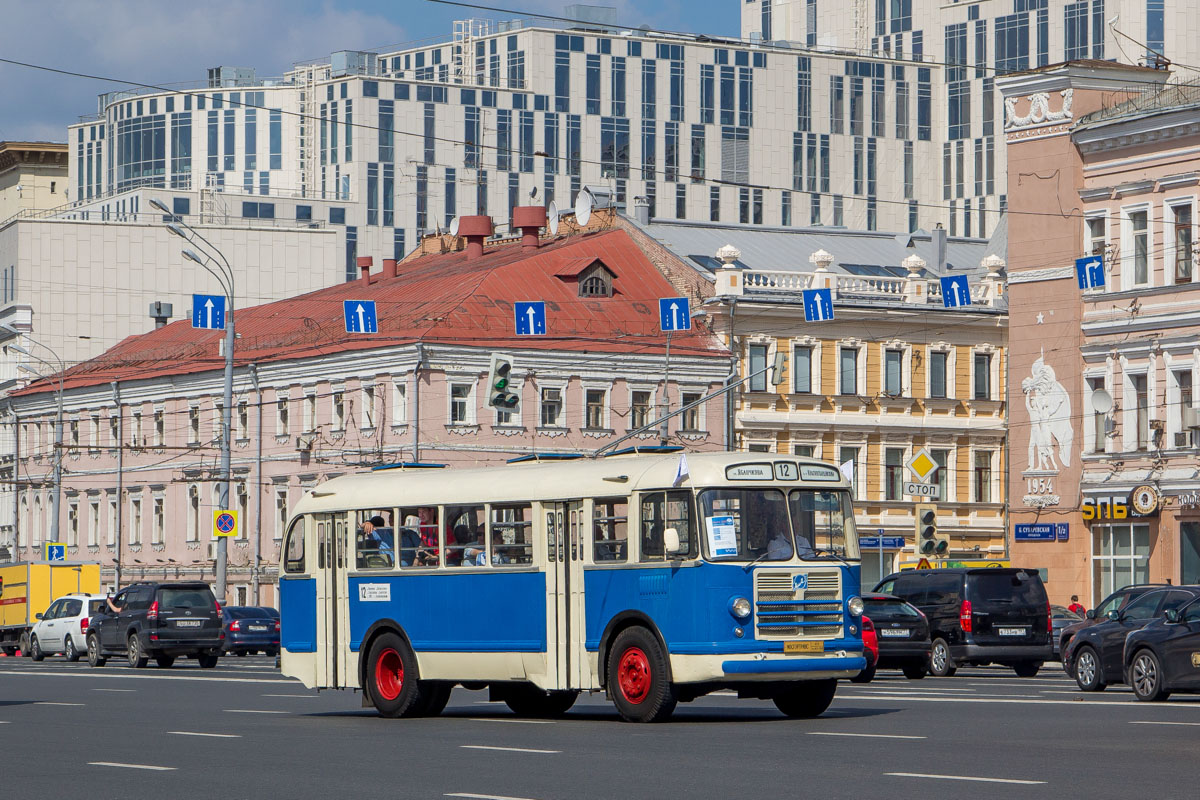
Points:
(294, 549)
(662, 510)
(464, 536)
(610, 527)
(512, 535)
(374, 539)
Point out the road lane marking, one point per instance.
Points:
(484, 796)
(489, 702)
(865, 735)
(142, 676)
(253, 711)
(213, 735)
(114, 690)
(1153, 722)
(130, 766)
(48, 703)
(291, 695)
(1116, 703)
(933, 689)
(963, 778)
(516, 721)
(505, 749)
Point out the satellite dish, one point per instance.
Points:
(583, 208)
(1102, 401)
(454, 227)
(553, 214)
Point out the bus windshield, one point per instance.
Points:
(765, 524)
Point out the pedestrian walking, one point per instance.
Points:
(1076, 607)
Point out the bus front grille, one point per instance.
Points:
(797, 605)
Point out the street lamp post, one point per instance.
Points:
(219, 268)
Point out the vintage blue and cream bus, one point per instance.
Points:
(654, 578)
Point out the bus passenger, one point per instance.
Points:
(410, 540)
(427, 529)
(779, 548)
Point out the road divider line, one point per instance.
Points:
(865, 735)
(141, 676)
(50, 703)
(213, 735)
(290, 695)
(114, 690)
(514, 721)
(506, 749)
(1154, 722)
(484, 796)
(1117, 703)
(130, 766)
(253, 711)
(963, 778)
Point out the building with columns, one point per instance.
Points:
(33, 178)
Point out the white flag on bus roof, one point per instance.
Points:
(847, 470)
(681, 470)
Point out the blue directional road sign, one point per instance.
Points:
(887, 543)
(208, 311)
(1089, 271)
(530, 318)
(818, 305)
(674, 314)
(955, 291)
(1035, 532)
(360, 316)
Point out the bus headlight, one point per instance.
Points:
(855, 606)
(740, 607)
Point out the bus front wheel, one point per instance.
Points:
(806, 699)
(637, 677)
(392, 675)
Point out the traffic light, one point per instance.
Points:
(930, 541)
(502, 392)
(777, 369)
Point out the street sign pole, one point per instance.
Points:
(662, 434)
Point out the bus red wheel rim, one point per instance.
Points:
(389, 674)
(633, 675)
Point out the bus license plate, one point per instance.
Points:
(187, 623)
(1012, 631)
(804, 647)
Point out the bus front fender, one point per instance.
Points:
(621, 621)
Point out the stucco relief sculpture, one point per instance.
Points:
(1049, 408)
(1039, 110)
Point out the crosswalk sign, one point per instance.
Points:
(225, 523)
(55, 551)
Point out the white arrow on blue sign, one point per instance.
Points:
(1089, 271)
(530, 317)
(818, 305)
(360, 316)
(208, 311)
(674, 314)
(956, 291)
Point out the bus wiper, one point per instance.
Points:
(755, 561)
(830, 552)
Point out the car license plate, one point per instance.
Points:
(1012, 631)
(895, 632)
(258, 627)
(804, 647)
(187, 623)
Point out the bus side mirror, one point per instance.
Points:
(671, 544)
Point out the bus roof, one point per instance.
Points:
(559, 480)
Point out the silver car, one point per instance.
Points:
(63, 627)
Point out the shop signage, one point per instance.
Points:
(1189, 501)
(1141, 502)
(1145, 500)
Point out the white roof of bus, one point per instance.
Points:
(545, 480)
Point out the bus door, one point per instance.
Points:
(566, 546)
(333, 627)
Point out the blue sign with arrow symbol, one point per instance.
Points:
(818, 305)
(208, 311)
(360, 316)
(1089, 271)
(674, 314)
(530, 318)
(956, 291)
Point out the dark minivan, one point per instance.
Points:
(160, 621)
(993, 615)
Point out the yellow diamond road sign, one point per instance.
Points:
(921, 465)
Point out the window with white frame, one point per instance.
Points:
(1095, 227)
(982, 389)
(804, 450)
(399, 403)
(595, 406)
(893, 478)
(136, 430)
(243, 420)
(1141, 405)
(847, 370)
(758, 365)
(281, 512)
(158, 531)
(893, 367)
(94, 433)
(283, 411)
(243, 507)
(552, 407)
(1180, 220)
(802, 360)
(111, 537)
(193, 425)
(690, 420)
(851, 454)
(939, 373)
(160, 427)
(73, 524)
(218, 420)
(367, 405)
(941, 478)
(641, 409)
(983, 476)
(93, 524)
(758, 447)
(310, 411)
(1137, 247)
(1183, 406)
(1098, 427)
(135, 520)
(193, 513)
(73, 435)
(461, 407)
(338, 417)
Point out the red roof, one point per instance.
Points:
(443, 298)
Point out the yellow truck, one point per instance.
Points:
(27, 589)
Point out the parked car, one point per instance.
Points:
(1061, 617)
(902, 632)
(63, 627)
(161, 621)
(251, 629)
(1164, 656)
(979, 616)
(1115, 601)
(1094, 656)
(870, 651)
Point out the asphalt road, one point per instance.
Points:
(241, 730)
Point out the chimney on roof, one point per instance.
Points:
(530, 220)
(475, 229)
(364, 267)
(389, 268)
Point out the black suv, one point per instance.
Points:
(980, 616)
(160, 621)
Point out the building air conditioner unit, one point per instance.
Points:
(1190, 417)
(1183, 439)
(305, 442)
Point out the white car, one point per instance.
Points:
(63, 627)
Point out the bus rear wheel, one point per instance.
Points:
(637, 677)
(392, 677)
(530, 701)
(807, 699)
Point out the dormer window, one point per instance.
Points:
(592, 277)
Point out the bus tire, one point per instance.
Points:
(638, 679)
(806, 699)
(527, 700)
(392, 677)
(433, 697)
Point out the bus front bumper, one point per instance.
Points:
(766, 667)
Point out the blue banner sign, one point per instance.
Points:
(1041, 532)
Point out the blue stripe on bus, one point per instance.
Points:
(469, 611)
(298, 614)
(854, 663)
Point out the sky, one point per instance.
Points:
(171, 42)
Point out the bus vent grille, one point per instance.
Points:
(777, 604)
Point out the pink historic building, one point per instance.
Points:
(141, 441)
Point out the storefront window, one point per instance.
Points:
(1120, 556)
(1189, 553)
